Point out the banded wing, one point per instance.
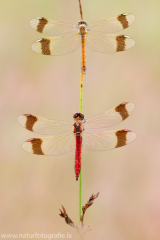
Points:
(56, 145)
(58, 45)
(111, 25)
(44, 126)
(110, 118)
(50, 27)
(106, 43)
(98, 40)
(102, 141)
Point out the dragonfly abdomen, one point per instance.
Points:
(83, 54)
(78, 155)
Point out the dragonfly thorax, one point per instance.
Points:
(77, 126)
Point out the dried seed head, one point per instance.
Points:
(82, 228)
(87, 205)
(65, 216)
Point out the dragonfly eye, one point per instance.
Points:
(75, 115)
(81, 116)
(85, 23)
(79, 23)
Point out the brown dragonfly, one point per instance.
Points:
(96, 36)
(88, 133)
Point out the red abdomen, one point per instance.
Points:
(78, 156)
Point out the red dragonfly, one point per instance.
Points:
(67, 38)
(88, 133)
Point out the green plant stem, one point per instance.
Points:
(80, 176)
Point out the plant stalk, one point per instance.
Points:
(80, 8)
(80, 176)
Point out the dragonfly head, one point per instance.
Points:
(82, 23)
(78, 116)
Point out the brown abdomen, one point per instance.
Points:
(83, 54)
(78, 156)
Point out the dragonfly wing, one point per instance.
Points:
(56, 145)
(59, 45)
(111, 117)
(43, 125)
(112, 25)
(106, 43)
(51, 27)
(106, 140)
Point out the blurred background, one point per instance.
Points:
(32, 188)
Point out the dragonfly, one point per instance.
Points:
(89, 134)
(97, 36)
